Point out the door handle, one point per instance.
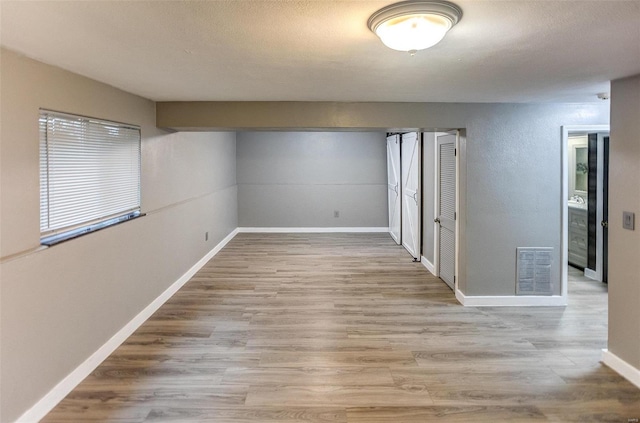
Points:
(604, 224)
(437, 220)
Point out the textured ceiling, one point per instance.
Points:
(322, 50)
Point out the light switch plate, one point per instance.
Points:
(628, 220)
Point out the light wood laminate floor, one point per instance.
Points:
(345, 328)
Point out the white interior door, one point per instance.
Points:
(410, 193)
(446, 207)
(393, 186)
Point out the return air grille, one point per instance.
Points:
(533, 271)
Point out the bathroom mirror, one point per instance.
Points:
(581, 170)
(578, 168)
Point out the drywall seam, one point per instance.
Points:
(187, 200)
(66, 385)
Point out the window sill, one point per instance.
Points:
(52, 240)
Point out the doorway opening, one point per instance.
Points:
(584, 203)
(423, 187)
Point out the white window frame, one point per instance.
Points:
(89, 174)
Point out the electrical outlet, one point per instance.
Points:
(628, 220)
(206, 236)
(336, 213)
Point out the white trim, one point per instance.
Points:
(66, 385)
(510, 300)
(413, 242)
(436, 206)
(426, 263)
(436, 197)
(393, 170)
(591, 274)
(294, 230)
(621, 367)
(457, 222)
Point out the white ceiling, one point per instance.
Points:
(322, 50)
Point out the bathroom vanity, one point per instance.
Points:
(578, 199)
(578, 235)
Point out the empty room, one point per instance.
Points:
(319, 211)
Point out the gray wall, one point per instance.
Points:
(624, 245)
(513, 194)
(298, 179)
(60, 304)
(512, 173)
(513, 165)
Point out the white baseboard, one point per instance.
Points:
(293, 230)
(621, 367)
(511, 300)
(62, 389)
(591, 274)
(426, 263)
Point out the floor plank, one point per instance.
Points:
(346, 328)
(331, 395)
(448, 414)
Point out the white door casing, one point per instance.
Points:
(394, 186)
(446, 206)
(410, 193)
(568, 130)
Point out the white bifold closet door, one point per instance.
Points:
(446, 207)
(410, 193)
(393, 186)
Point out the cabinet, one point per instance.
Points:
(578, 237)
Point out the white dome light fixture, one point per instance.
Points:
(414, 25)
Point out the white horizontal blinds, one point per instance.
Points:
(44, 174)
(89, 171)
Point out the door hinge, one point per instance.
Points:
(455, 151)
(455, 216)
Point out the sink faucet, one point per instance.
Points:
(577, 199)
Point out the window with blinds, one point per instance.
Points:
(89, 175)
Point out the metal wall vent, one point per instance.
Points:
(533, 271)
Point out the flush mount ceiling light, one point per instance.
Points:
(414, 25)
